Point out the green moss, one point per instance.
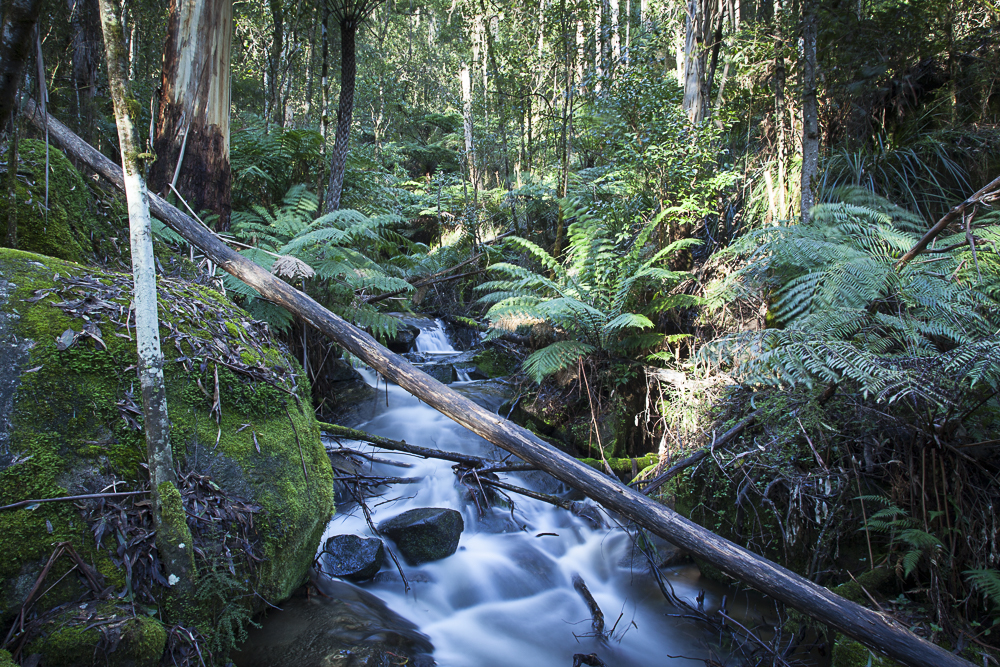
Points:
(849, 653)
(622, 467)
(879, 580)
(70, 638)
(493, 364)
(65, 230)
(73, 430)
(6, 660)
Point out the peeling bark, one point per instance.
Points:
(194, 104)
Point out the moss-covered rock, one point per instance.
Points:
(492, 363)
(100, 634)
(6, 660)
(70, 424)
(849, 653)
(71, 224)
(624, 468)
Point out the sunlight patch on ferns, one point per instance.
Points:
(841, 311)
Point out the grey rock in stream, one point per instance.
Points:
(425, 534)
(334, 624)
(352, 557)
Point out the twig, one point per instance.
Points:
(544, 497)
(87, 496)
(402, 446)
(370, 457)
(595, 610)
(726, 439)
(982, 197)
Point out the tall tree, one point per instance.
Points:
(19, 20)
(810, 120)
(192, 125)
(173, 538)
(86, 57)
(349, 15)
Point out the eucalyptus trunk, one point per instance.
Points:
(345, 111)
(173, 538)
(192, 126)
(86, 57)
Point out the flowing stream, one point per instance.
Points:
(506, 597)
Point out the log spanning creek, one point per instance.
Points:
(523, 586)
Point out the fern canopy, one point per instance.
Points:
(338, 247)
(603, 299)
(842, 312)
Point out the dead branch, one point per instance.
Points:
(727, 438)
(86, 496)
(595, 610)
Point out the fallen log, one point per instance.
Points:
(875, 630)
(402, 446)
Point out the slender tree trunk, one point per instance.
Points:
(810, 113)
(694, 62)
(86, 57)
(12, 161)
(616, 39)
(325, 78)
(192, 126)
(15, 47)
(779, 105)
(345, 111)
(274, 60)
(470, 147)
(173, 538)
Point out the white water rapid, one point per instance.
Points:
(506, 597)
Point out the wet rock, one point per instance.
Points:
(659, 551)
(352, 557)
(425, 534)
(405, 338)
(338, 625)
(441, 372)
(349, 398)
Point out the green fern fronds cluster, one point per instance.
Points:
(842, 311)
(341, 247)
(591, 298)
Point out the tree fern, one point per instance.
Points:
(591, 298)
(338, 247)
(841, 311)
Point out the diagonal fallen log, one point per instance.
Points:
(876, 631)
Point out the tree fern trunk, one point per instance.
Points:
(345, 111)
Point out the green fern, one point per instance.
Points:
(988, 583)
(842, 312)
(592, 298)
(338, 247)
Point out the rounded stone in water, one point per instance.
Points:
(425, 534)
(352, 557)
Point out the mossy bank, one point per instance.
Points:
(70, 424)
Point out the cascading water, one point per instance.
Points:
(507, 596)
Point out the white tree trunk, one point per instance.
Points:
(173, 538)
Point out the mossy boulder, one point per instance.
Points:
(70, 424)
(850, 653)
(74, 227)
(102, 634)
(6, 660)
(492, 363)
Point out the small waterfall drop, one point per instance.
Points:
(507, 596)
